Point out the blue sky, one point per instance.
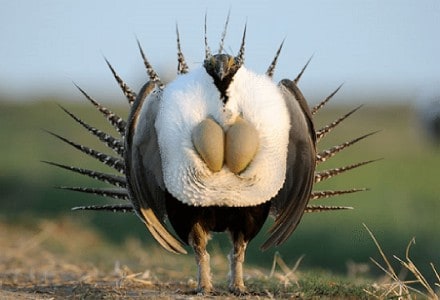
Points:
(376, 48)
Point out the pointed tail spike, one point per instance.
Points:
(298, 77)
(240, 55)
(326, 154)
(207, 49)
(321, 208)
(272, 66)
(326, 129)
(120, 194)
(150, 70)
(117, 122)
(327, 174)
(315, 195)
(111, 142)
(182, 67)
(117, 208)
(126, 90)
(113, 162)
(315, 109)
(115, 180)
(222, 39)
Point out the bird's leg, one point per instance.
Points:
(236, 259)
(198, 239)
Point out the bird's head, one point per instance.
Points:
(222, 68)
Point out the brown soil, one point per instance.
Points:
(62, 260)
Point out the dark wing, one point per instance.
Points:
(144, 168)
(291, 201)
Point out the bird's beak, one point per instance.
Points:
(221, 70)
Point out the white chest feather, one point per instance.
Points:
(193, 97)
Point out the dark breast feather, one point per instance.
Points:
(246, 220)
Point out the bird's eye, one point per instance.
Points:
(212, 61)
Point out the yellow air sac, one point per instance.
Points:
(241, 145)
(208, 139)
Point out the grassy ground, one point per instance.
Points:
(66, 259)
(403, 202)
(54, 260)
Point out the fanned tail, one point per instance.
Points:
(326, 154)
(115, 144)
(119, 183)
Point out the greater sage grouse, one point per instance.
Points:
(219, 148)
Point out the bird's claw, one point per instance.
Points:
(238, 290)
(205, 290)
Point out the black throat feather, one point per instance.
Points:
(222, 84)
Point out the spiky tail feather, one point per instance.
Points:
(126, 90)
(121, 208)
(326, 154)
(120, 125)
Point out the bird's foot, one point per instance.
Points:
(238, 289)
(204, 290)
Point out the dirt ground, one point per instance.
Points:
(62, 260)
(66, 259)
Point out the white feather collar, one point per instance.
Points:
(191, 98)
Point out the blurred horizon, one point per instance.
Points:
(381, 51)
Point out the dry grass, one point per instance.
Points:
(64, 259)
(394, 284)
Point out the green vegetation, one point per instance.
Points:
(403, 200)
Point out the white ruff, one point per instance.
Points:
(193, 97)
